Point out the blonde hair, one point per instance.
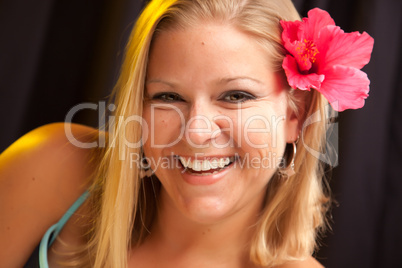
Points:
(123, 205)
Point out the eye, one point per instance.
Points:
(167, 97)
(237, 96)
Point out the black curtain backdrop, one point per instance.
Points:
(57, 54)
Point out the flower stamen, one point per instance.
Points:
(307, 52)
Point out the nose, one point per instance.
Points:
(201, 128)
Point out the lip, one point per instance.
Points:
(200, 179)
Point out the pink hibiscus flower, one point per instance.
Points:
(322, 56)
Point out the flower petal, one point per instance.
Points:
(290, 35)
(347, 86)
(317, 19)
(299, 80)
(290, 31)
(339, 48)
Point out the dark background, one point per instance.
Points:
(56, 54)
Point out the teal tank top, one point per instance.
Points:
(54, 230)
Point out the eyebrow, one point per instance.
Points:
(224, 80)
(156, 80)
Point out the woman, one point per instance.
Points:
(207, 162)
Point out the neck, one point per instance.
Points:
(184, 240)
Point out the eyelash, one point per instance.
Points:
(174, 97)
(164, 97)
(245, 95)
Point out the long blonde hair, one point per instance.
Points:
(123, 205)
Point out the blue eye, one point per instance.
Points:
(237, 96)
(167, 97)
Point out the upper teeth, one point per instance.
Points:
(206, 164)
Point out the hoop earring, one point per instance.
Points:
(290, 169)
(145, 168)
(292, 163)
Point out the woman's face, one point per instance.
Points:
(217, 119)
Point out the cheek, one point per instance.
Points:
(263, 130)
(163, 127)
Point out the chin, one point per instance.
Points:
(207, 210)
(199, 208)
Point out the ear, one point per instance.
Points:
(292, 126)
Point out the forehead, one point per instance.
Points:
(207, 48)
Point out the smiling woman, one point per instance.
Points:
(208, 162)
(190, 65)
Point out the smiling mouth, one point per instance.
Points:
(206, 166)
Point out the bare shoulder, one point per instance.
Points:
(41, 175)
(308, 263)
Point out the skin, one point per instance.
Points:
(42, 173)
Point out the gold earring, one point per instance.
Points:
(145, 168)
(289, 170)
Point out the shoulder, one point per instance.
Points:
(307, 263)
(41, 175)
